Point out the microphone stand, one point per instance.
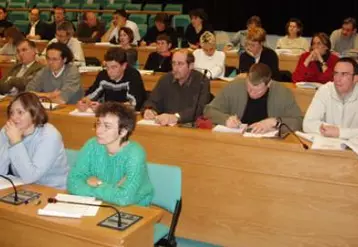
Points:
(198, 99)
(304, 145)
(46, 99)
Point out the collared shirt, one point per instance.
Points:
(171, 97)
(59, 73)
(24, 68)
(33, 27)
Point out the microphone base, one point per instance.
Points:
(187, 125)
(23, 197)
(127, 220)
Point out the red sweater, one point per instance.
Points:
(312, 73)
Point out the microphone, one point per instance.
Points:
(198, 98)
(304, 145)
(54, 200)
(16, 198)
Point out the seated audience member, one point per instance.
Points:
(120, 19)
(90, 30)
(208, 58)
(199, 24)
(64, 35)
(333, 111)
(317, 64)
(30, 147)
(16, 79)
(12, 36)
(293, 40)
(37, 28)
(110, 167)
(4, 23)
(126, 42)
(180, 95)
(256, 52)
(239, 39)
(162, 26)
(119, 82)
(258, 102)
(345, 38)
(160, 60)
(60, 79)
(59, 14)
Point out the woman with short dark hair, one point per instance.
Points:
(30, 147)
(110, 167)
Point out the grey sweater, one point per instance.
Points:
(69, 83)
(233, 98)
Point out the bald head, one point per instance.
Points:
(34, 15)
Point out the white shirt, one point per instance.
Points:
(130, 24)
(32, 29)
(215, 63)
(23, 69)
(59, 73)
(327, 107)
(75, 46)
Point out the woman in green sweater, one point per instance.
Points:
(109, 166)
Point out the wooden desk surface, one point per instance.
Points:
(22, 226)
(247, 192)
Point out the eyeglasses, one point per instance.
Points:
(53, 59)
(107, 127)
(343, 74)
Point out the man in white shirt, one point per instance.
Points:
(37, 28)
(64, 34)
(208, 58)
(345, 38)
(120, 19)
(334, 109)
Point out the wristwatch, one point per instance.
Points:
(278, 122)
(177, 115)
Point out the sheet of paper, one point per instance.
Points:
(147, 122)
(105, 44)
(47, 105)
(87, 113)
(62, 210)
(222, 128)
(325, 143)
(4, 184)
(84, 69)
(311, 85)
(146, 72)
(307, 136)
(269, 134)
(2, 96)
(227, 78)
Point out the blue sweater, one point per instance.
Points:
(39, 158)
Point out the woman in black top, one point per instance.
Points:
(199, 24)
(161, 26)
(160, 60)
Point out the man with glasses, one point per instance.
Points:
(118, 82)
(180, 95)
(333, 111)
(18, 76)
(258, 102)
(60, 79)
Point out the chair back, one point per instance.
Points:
(167, 185)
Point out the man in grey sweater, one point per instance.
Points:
(258, 102)
(60, 79)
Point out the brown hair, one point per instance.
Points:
(324, 39)
(14, 33)
(128, 31)
(31, 103)
(189, 55)
(126, 116)
(259, 73)
(256, 34)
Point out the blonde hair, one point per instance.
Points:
(256, 34)
(207, 38)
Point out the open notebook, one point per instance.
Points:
(70, 210)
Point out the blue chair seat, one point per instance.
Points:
(160, 231)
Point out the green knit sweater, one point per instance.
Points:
(129, 163)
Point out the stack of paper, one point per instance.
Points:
(87, 113)
(105, 44)
(84, 69)
(150, 122)
(146, 72)
(228, 79)
(4, 184)
(312, 85)
(222, 128)
(269, 134)
(70, 210)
